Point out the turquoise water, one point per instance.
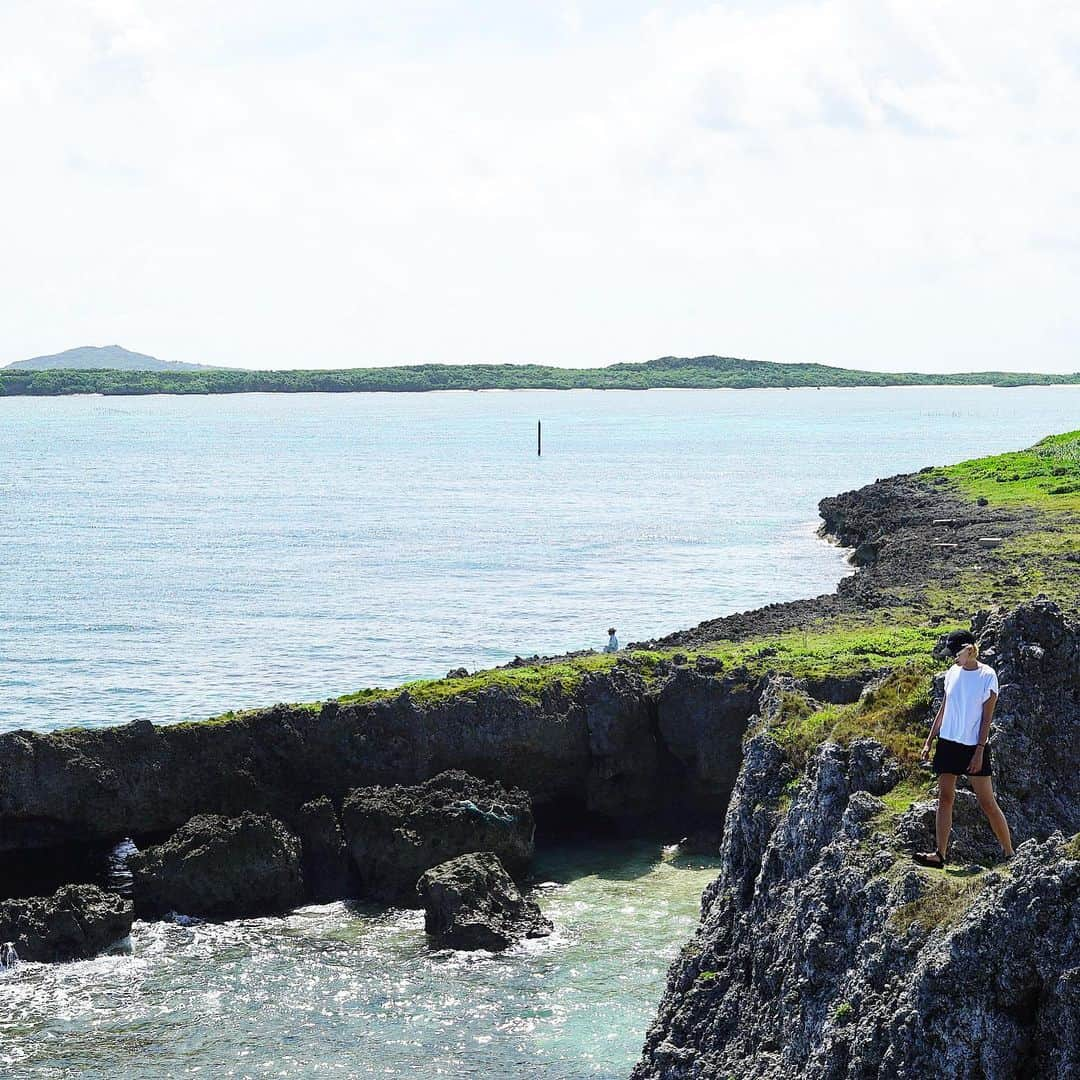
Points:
(332, 992)
(172, 558)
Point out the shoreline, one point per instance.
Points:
(538, 389)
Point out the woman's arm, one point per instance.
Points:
(935, 727)
(984, 732)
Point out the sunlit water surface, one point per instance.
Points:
(330, 991)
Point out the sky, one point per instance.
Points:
(266, 183)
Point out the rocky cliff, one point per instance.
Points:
(824, 952)
(605, 745)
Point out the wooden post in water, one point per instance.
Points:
(539, 445)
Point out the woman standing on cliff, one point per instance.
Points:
(962, 726)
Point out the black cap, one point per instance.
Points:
(957, 640)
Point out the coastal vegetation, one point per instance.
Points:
(893, 712)
(948, 895)
(701, 372)
(1046, 475)
(839, 648)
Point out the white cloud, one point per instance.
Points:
(271, 184)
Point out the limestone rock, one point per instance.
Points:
(396, 833)
(471, 902)
(75, 923)
(623, 750)
(220, 868)
(701, 720)
(824, 953)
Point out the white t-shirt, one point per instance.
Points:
(965, 693)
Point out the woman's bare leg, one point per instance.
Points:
(946, 787)
(984, 792)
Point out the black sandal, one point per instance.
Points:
(934, 859)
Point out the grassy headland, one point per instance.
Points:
(702, 372)
(1046, 475)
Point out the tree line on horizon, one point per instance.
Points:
(698, 373)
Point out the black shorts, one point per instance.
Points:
(955, 757)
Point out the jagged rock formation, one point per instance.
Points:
(824, 953)
(75, 923)
(396, 833)
(220, 868)
(701, 717)
(471, 902)
(215, 867)
(624, 752)
(612, 746)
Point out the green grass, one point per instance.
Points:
(526, 683)
(843, 1012)
(1041, 564)
(841, 651)
(895, 714)
(842, 647)
(913, 788)
(1024, 566)
(1044, 479)
(949, 894)
(1045, 476)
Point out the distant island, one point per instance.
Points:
(669, 372)
(95, 358)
